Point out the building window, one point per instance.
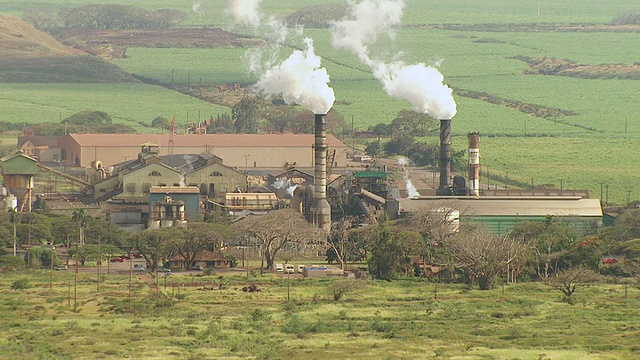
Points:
(216, 173)
(155, 173)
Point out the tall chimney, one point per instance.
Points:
(474, 164)
(321, 210)
(445, 158)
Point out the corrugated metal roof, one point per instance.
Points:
(526, 206)
(213, 140)
(174, 190)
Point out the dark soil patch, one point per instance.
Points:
(318, 17)
(531, 109)
(564, 67)
(113, 43)
(60, 69)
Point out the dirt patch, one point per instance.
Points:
(531, 109)
(18, 38)
(564, 67)
(113, 43)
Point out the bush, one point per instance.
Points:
(11, 263)
(21, 284)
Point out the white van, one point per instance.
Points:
(301, 268)
(290, 269)
(279, 267)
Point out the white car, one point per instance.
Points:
(290, 269)
(279, 268)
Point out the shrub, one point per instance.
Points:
(341, 287)
(11, 263)
(21, 284)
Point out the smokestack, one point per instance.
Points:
(474, 163)
(321, 210)
(445, 158)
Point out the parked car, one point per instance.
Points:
(279, 267)
(138, 267)
(163, 269)
(196, 267)
(290, 269)
(301, 268)
(60, 267)
(117, 259)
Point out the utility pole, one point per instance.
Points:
(99, 262)
(53, 253)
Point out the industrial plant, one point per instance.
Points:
(235, 174)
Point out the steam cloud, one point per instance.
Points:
(419, 84)
(245, 12)
(197, 8)
(411, 189)
(300, 80)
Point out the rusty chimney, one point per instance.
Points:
(474, 163)
(445, 158)
(321, 210)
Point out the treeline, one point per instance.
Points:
(400, 139)
(103, 16)
(85, 121)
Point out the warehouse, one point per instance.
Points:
(241, 151)
(500, 214)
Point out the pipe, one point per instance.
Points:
(474, 164)
(445, 158)
(321, 210)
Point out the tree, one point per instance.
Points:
(340, 288)
(246, 114)
(382, 129)
(391, 252)
(79, 217)
(373, 148)
(153, 244)
(161, 122)
(400, 144)
(481, 254)
(193, 239)
(338, 239)
(411, 122)
(550, 239)
(276, 230)
(568, 281)
(88, 118)
(626, 227)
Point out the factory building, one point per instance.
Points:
(236, 150)
(501, 214)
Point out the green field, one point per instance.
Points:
(475, 41)
(209, 317)
(128, 103)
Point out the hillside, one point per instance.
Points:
(28, 55)
(18, 38)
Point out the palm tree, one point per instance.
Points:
(79, 217)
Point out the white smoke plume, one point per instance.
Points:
(197, 8)
(422, 86)
(366, 21)
(300, 80)
(245, 12)
(411, 189)
(419, 84)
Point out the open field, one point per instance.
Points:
(533, 126)
(128, 103)
(211, 317)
